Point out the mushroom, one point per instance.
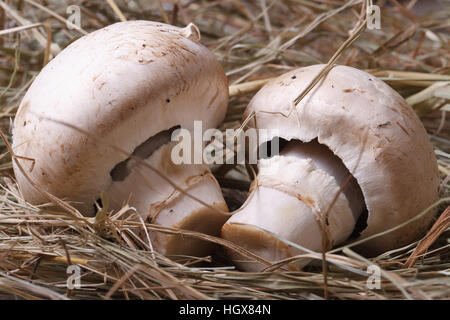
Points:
(357, 161)
(130, 85)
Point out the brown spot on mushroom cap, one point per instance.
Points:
(214, 97)
(25, 105)
(383, 125)
(402, 127)
(354, 89)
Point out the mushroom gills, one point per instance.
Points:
(294, 189)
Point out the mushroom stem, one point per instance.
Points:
(324, 159)
(294, 191)
(143, 151)
(160, 203)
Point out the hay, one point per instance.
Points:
(255, 41)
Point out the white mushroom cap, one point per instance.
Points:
(369, 126)
(123, 84)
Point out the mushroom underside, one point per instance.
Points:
(142, 181)
(325, 161)
(262, 223)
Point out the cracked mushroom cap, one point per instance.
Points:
(378, 137)
(122, 84)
